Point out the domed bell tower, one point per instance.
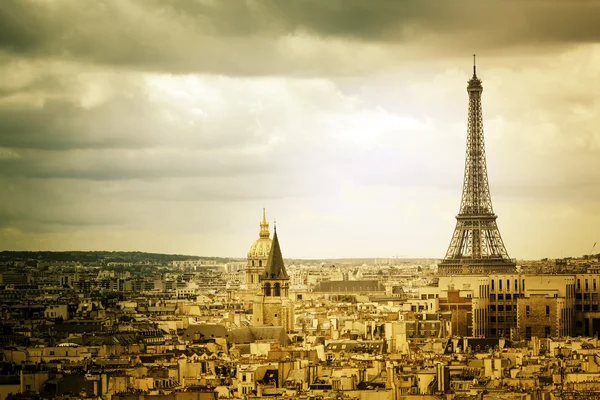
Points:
(273, 307)
(258, 256)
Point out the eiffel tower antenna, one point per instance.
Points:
(476, 246)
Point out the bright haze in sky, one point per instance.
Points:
(166, 125)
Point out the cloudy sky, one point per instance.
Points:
(166, 125)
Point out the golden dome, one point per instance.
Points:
(262, 247)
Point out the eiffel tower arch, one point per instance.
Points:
(476, 246)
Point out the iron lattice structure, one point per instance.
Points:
(476, 246)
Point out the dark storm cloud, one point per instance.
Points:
(62, 124)
(64, 203)
(126, 164)
(240, 37)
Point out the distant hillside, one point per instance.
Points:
(138, 257)
(99, 257)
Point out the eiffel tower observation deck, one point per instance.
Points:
(476, 246)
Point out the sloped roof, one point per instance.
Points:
(250, 334)
(242, 348)
(296, 375)
(270, 333)
(241, 335)
(362, 286)
(206, 331)
(275, 267)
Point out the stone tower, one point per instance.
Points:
(272, 306)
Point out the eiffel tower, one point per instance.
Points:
(476, 246)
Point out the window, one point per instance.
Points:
(586, 285)
(594, 284)
(523, 285)
(500, 297)
(507, 284)
(508, 307)
(423, 297)
(547, 310)
(492, 284)
(516, 285)
(493, 318)
(578, 284)
(492, 307)
(527, 333)
(499, 284)
(508, 297)
(492, 297)
(51, 353)
(500, 307)
(527, 310)
(547, 331)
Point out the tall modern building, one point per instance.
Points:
(476, 246)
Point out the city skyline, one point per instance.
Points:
(167, 127)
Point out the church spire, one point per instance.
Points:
(275, 267)
(264, 226)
